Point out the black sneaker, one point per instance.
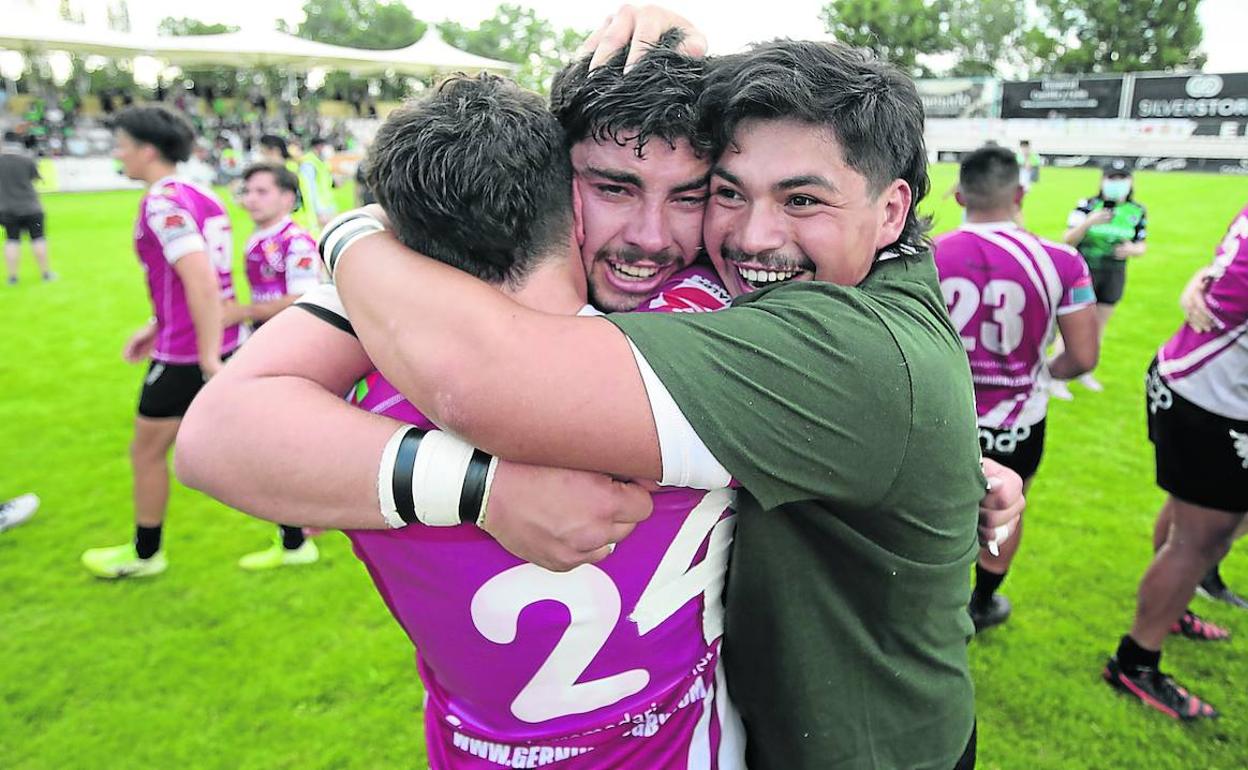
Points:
(1155, 689)
(1212, 587)
(996, 612)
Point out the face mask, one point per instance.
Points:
(1115, 189)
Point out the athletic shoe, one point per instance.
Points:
(1091, 383)
(1213, 587)
(123, 561)
(996, 613)
(276, 556)
(12, 280)
(1192, 626)
(49, 277)
(1155, 689)
(1060, 390)
(17, 511)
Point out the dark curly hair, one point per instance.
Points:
(656, 98)
(871, 107)
(167, 131)
(476, 175)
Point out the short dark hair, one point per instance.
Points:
(656, 98)
(872, 108)
(476, 175)
(169, 132)
(275, 142)
(282, 176)
(318, 140)
(988, 178)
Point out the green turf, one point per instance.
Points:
(210, 667)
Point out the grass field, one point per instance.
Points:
(210, 667)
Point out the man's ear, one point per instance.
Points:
(578, 220)
(895, 200)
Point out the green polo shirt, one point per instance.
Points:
(847, 415)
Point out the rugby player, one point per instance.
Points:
(282, 264)
(184, 244)
(1197, 403)
(1008, 292)
(842, 405)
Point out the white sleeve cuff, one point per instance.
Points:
(187, 244)
(325, 296)
(687, 461)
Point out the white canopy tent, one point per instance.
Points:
(431, 55)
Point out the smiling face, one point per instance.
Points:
(784, 205)
(642, 216)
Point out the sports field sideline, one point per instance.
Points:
(210, 667)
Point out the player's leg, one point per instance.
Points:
(1199, 538)
(39, 245)
(12, 249)
(1207, 486)
(1019, 449)
(291, 547)
(1212, 586)
(167, 392)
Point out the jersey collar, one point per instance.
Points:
(1002, 225)
(271, 230)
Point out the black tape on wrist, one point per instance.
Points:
(401, 480)
(320, 244)
(473, 492)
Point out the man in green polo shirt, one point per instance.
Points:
(835, 391)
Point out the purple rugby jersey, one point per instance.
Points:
(613, 665)
(1005, 289)
(1210, 369)
(177, 218)
(281, 260)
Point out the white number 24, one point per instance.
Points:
(593, 604)
(1007, 299)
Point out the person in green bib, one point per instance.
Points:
(835, 391)
(1108, 229)
(316, 183)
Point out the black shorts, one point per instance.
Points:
(1019, 448)
(15, 225)
(168, 389)
(1202, 457)
(1109, 283)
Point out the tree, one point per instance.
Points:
(1118, 35)
(119, 16)
(372, 24)
(897, 30)
(187, 26)
(985, 35)
(517, 34)
(222, 80)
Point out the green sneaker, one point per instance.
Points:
(276, 556)
(122, 561)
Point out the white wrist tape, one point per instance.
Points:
(385, 476)
(336, 241)
(434, 478)
(438, 478)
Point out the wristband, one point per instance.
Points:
(335, 244)
(387, 482)
(434, 478)
(333, 226)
